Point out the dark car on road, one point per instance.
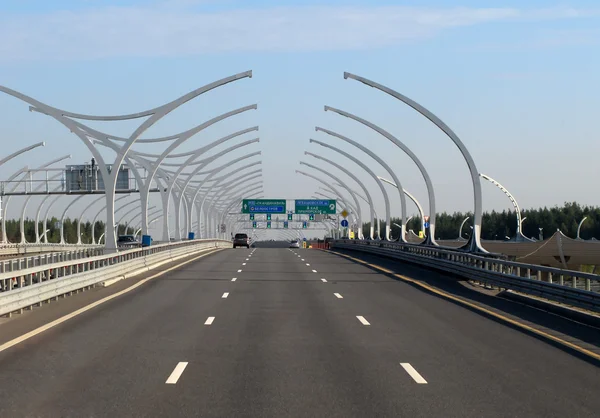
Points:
(241, 240)
(128, 241)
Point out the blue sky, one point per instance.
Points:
(518, 81)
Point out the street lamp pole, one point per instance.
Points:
(475, 242)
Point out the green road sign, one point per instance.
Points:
(322, 207)
(263, 206)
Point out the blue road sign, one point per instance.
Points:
(426, 224)
(344, 223)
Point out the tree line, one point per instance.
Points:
(13, 230)
(542, 222)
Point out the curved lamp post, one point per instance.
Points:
(383, 164)
(344, 185)
(412, 156)
(335, 191)
(353, 209)
(372, 174)
(92, 203)
(461, 228)
(152, 116)
(378, 221)
(475, 241)
(579, 227)
(106, 225)
(221, 168)
(411, 197)
(226, 188)
(519, 237)
(369, 200)
(21, 151)
(24, 209)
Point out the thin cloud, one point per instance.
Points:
(152, 31)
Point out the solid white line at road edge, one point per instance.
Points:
(225, 295)
(363, 320)
(210, 320)
(413, 373)
(337, 295)
(79, 311)
(177, 372)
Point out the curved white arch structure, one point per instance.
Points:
(345, 186)
(519, 237)
(369, 200)
(383, 164)
(374, 176)
(475, 242)
(430, 239)
(411, 197)
(152, 117)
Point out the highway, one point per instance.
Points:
(274, 332)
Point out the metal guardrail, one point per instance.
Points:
(15, 264)
(18, 249)
(565, 286)
(35, 285)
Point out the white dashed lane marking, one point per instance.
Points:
(363, 320)
(177, 372)
(413, 373)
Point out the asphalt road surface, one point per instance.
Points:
(289, 333)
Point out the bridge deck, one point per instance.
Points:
(283, 343)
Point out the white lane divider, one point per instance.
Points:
(314, 271)
(307, 264)
(239, 271)
(363, 320)
(225, 295)
(248, 259)
(234, 279)
(413, 373)
(177, 372)
(243, 264)
(210, 320)
(302, 259)
(324, 280)
(337, 295)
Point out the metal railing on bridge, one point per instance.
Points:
(565, 286)
(37, 284)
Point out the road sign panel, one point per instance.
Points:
(268, 225)
(344, 223)
(263, 206)
(285, 224)
(308, 207)
(251, 216)
(426, 225)
(290, 216)
(344, 213)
